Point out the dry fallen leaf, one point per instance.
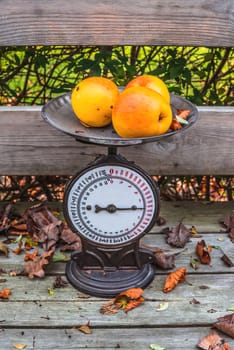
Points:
(226, 324)
(5, 293)
(194, 233)
(178, 236)
(31, 256)
(203, 252)
(4, 249)
(173, 279)
(85, 328)
(228, 223)
(213, 342)
(60, 282)
(36, 268)
(20, 346)
(126, 301)
(19, 249)
(162, 306)
(194, 263)
(227, 260)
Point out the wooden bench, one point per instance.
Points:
(29, 146)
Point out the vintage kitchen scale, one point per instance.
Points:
(111, 205)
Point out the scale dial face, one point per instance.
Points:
(111, 204)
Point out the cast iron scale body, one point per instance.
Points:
(111, 205)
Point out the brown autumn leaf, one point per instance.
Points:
(72, 240)
(5, 293)
(45, 228)
(20, 346)
(4, 249)
(19, 249)
(36, 267)
(194, 233)
(126, 301)
(31, 256)
(203, 252)
(60, 282)
(213, 342)
(183, 113)
(174, 278)
(175, 125)
(162, 260)
(228, 223)
(177, 120)
(4, 219)
(227, 261)
(177, 236)
(226, 324)
(85, 328)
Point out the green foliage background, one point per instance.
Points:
(32, 75)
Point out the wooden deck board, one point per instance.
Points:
(16, 262)
(34, 317)
(124, 338)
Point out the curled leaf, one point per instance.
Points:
(4, 249)
(5, 293)
(213, 342)
(20, 346)
(126, 301)
(85, 328)
(175, 125)
(173, 279)
(227, 261)
(194, 263)
(226, 324)
(164, 261)
(59, 282)
(156, 347)
(51, 291)
(19, 249)
(230, 308)
(162, 306)
(203, 252)
(36, 268)
(177, 236)
(31, 256)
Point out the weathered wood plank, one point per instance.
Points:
(124, 338)
(16, 262)
(205, 217)
(55, 22)
(182, 311)
(24, 289)
(28, 145)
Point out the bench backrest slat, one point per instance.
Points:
(29, 146)
(119, 22)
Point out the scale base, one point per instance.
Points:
(108, 283)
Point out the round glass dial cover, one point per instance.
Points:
(110, 204)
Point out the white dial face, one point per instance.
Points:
(111, 204)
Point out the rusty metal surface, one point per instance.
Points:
(58, 113)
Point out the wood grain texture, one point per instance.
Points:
(123, 338)
(108, 22)
(16, 262)
(39, 320)
(28, 145)
(205, 217)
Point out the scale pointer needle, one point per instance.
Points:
(111, 208)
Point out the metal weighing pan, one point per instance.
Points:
(58, 113)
